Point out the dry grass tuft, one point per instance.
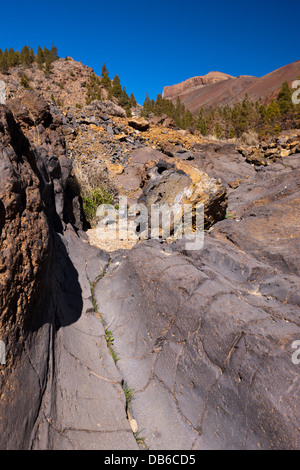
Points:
(91, 182)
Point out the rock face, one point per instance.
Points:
(205, 337)
(58, 390)
(65, 84)
(171, 92)
(227, 90)
(102, 108)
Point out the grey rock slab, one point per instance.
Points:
(224, 162)
(84, 405)
(205, 345)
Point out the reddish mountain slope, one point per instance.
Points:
(194, 83)
(217, 89)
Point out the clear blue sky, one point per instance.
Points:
(155, 43)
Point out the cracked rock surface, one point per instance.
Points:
(205, 337)
(59, 386)
(83, 405)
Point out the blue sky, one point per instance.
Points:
(155, 43)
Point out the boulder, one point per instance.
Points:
(104, 108)
(177, 183)
(162, 120)
(30, 109)
(139, 124)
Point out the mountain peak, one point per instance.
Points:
(199, 81)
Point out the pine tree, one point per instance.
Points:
(218, 131)
(116, 89)
(25, 56)
(179, 112)
(104, 70)
(47, 54)
(93, 89)
(284, 99)
(132, 101)
(273, 111)
(39, 58)
(106, 81)
(48, 66)
(147, 107)
(3, 63)
(54, 52)
(128, 111)
(159, 106)
(187, 119)
(231, 134)
(201, 123)
(11, 57)
(32, 56)
(124, 99)
(272, 117)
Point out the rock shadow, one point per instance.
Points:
(58, 300)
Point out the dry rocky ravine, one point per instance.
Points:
(200, 342)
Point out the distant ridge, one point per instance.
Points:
(220, 89)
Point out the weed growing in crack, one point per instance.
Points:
(94, 300)
(110, 340)
(128, 392)
(229, 215)
(140, 440)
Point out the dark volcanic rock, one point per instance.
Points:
(59, 386)
(31, 109)
(205, 337)
(267, 209)
(222, 162)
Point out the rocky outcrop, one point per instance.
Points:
(59, 387)
(65, 84)
(106, 108)
(163, 120)
(169, 92)
(286, 143)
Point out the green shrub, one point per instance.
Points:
(24, 81)
(94, 198)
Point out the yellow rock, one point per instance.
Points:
(284, 152)
(115, 168)
(293, 144)
(120, 137)
(133, 425)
